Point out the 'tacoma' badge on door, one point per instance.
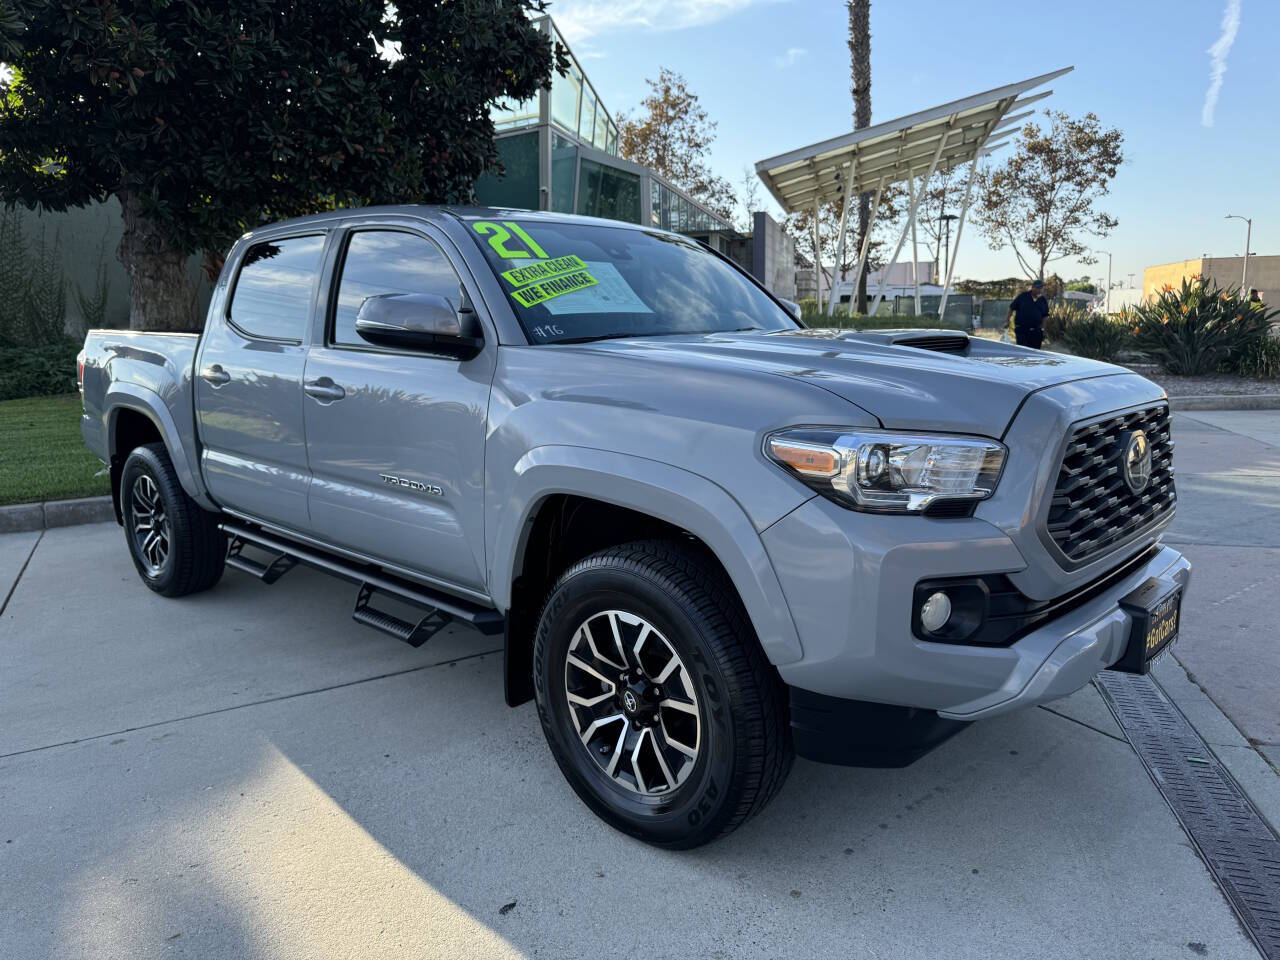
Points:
(429, 488)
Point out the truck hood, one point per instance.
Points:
(907, 379)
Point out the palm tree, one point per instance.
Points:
(860, 60)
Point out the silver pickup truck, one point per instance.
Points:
(711, 538)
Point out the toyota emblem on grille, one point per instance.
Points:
(1137, 461)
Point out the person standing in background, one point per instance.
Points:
(1027, 311)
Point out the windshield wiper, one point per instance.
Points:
(604, 336)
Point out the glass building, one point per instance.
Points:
(559, 151)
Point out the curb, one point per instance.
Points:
(21, 517)
(1229, 401)
(1246, 764)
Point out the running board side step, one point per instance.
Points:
(414, 634)
(269, 572)
(441, 606)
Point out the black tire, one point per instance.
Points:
(745, 754)
(194, 549)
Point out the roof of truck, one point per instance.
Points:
(433, 211)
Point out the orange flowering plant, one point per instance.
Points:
(1199, 327)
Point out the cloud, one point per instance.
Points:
(1218, 60)
(790, 57)
(581, 20)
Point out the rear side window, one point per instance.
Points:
(381, 262)
(272, 297)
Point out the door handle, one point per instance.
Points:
(214, 375)
(324, 390)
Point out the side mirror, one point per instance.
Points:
(420, 321)
(793, 308)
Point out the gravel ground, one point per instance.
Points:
(1215, 384)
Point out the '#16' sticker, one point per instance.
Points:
(500, 234)
(536, 293)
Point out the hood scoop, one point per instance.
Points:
(938, 341)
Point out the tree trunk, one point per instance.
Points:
(160, 290)
(860, 62)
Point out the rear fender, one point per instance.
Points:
(131, 396)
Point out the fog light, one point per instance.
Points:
(935, 612)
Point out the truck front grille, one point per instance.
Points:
(1093, 508)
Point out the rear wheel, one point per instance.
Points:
(176, 546)
(655, 697)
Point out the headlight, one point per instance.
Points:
(888, 472)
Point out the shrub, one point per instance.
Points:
(39, 370)
(33, 290)
(1199, 328)
(1260, 359)
(1098, 337)
(1061, 316)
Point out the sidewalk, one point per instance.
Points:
(1228, 523)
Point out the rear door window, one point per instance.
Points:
(273, 292)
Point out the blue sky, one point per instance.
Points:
(775, 75)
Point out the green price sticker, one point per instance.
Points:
(500, 239)
(543, 270)
(542, 290)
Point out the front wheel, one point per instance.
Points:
(176, 546)
(655, 697)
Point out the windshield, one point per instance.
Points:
(574, 282)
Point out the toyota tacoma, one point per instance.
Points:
(711, 538)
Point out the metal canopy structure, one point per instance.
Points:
(865, 161)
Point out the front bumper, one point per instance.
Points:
(849, 581)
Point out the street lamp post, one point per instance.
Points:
(1248, 235)
(1107, 306)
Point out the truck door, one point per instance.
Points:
(395, 437)
(249, 381)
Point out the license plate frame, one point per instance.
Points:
(1155, 608)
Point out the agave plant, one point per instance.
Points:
(1200, 327)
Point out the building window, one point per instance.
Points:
(510, 116)
(601, 136)
(587, 119)
(564, 159)
(608, 192)
(566, 96)
(517, 186)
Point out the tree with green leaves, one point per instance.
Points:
(205, 120)
(671, 135)
(1043, 200)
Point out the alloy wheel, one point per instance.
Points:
(150, 524)
(632, 702)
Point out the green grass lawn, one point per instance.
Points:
(42, 456)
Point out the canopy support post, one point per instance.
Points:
(817, 255)
(911, 218)
(844, 221)
(866, 242)
(964, 209)
(915, 250)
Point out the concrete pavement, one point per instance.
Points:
(248, 773)
(1228, 523)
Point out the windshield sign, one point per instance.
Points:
(573, 282)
